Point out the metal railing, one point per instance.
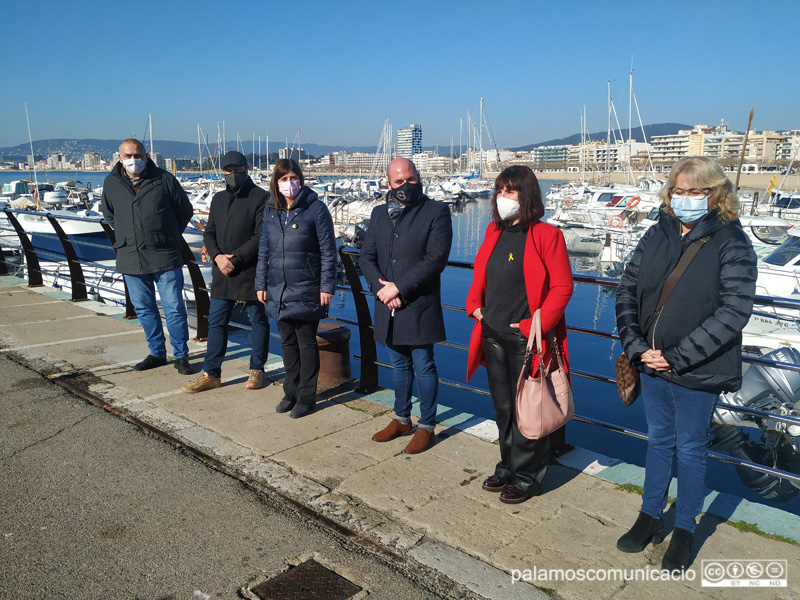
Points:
(369, 363)
(368, 381)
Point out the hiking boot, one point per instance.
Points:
(256, 379)
(203, 383)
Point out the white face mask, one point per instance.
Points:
(507, 208)
(134, 165)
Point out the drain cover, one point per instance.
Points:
(307, 581)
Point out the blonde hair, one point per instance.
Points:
(704, 173)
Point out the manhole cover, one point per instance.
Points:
(307, 581)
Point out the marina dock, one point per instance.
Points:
(426, 509)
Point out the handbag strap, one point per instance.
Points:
(674, 276)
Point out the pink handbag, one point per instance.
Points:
(544, 403)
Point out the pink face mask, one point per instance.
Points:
(289, 188)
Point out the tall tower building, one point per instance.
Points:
(409, 141)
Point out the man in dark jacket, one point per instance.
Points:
(403, 256)
(231, 240)
(148, 209)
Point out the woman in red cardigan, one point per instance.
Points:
(521, 266)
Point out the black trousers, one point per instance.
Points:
(301, 359)
(523, 462)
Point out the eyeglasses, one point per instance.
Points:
(696, 192)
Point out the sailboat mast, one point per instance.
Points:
(223, 137)
(266, 133)
(630, 113)
(33, 156)
(199, 149)
(150, 122)
(608, 137)
(460, 144)
(480, 168)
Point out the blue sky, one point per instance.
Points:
(336, 70)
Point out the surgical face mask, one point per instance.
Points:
(289, 188)
(689, 209)
(236, 180)
(134, 165)
(507, 208)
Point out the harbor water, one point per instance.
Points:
(592, 307)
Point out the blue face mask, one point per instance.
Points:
(689, 209)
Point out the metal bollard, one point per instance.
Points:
(334, 352)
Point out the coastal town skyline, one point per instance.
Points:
(335, 72)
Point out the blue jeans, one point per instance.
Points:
(408, 360)
(219, 315)
(142, 290)
(677, 427)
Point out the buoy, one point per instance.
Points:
(615, 221)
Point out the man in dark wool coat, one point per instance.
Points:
(231, 240)
(402, 258)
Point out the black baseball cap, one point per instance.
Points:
(233, 159)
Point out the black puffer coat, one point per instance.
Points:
(297, 258)
(412, 254)
(147, 223)
(234, 227)
(699, 330)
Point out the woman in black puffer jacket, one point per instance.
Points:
(296, 278)
(692, 350)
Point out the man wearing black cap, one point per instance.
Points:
(231, 240)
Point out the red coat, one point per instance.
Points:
(548, 282)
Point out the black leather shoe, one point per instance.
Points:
(494, 483)
(301, 410)
(511, 494)
(183, 366)
(678, 556)
(150, 362)
(645, 529)
(285, 405)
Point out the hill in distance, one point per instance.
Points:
(636, 134)
(74, 149)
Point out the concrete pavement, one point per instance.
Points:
(429, 508)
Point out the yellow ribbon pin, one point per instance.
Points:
(510, 256)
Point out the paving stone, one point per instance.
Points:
(476, 526)
(474, 574)
(363, 519)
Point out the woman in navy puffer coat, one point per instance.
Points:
(296, 278)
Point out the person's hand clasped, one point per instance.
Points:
(262, 296)
(388, 294)
(654, 360)
(325, 298)
(224, 263)
(478, 314)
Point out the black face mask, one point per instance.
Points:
(236, 180)
(409, 193)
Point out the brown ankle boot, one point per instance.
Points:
(391, 431)
(422, 440)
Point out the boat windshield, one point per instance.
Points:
(785, 253)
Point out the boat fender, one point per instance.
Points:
(569, 202)
(615, 221)
(634, 201)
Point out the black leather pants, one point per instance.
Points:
(523, 462)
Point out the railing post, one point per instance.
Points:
(201, 302)
(369, 353)
(77, 280)
(3, 266)
(31, 260)
(130, 312)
